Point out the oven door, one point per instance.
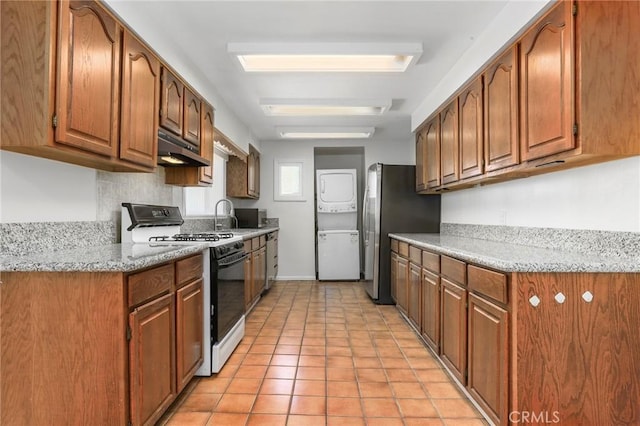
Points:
(227, 295)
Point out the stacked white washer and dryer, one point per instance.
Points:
(337, 214)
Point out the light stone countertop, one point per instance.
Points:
(511, 257)
(104, 258)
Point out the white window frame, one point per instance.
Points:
(277, 188)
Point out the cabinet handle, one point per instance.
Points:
(560, 298)
(534, 300)
(587, 296)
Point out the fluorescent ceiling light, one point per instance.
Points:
(325, 132)
(324, 107)
(325, 57)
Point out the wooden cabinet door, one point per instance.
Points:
(256, 186)
(432, 160)
(471, 130)
(431, 309)
(402, 286)
(89, 70)
(489, 357)
(453, 333)
(207, 137)
(259, 272)
(171, 102)
(189, 323)
(248, 282)
(546, 85)
(414, 302)
(140, 103)
(191, 122)
(501, 112)
(421, 156)
(152, 366)
(394, 277)
(449, 144)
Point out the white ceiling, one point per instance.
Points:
(200, 30)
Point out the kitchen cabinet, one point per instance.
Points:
(58, 58)
(189, 319)
(555, 98)
(191, 122)
(255, 270)
(172, 102)
(197, 176)
(402, 284)
(432, 146)
(421, 158)
(139, 125)
(113, 358)
(453, 334)
(546, 85)
(243, 175)
(488, 357)
(394, 276)
(471, 130)
(414, 302)
(449, 144)
(501, 112)
(430, 327)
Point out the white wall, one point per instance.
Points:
(39, 190)
(296, 251)
(603, 196)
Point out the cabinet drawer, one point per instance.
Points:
(403, 249)
(415, 255)
(454, 269)
(394, 245)
(263, 240)
(146, 285)
(431, 261)
(489, 283)
(188, 270)
(247, 246)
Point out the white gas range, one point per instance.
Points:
(223, 302)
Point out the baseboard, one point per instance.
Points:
(296, 278)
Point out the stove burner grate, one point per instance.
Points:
(203, 236)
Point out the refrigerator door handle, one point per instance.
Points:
(364, 215)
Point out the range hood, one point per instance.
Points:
(174, 152)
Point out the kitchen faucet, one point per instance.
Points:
(231, 213)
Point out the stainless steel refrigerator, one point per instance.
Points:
(391, 205)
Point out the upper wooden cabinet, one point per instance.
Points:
(449, 140)
(556, 98)
(501, 112)
(197, 176)
(191, 122)
(546, 85)
(139, 125)
(471, 130)
(172, 102)
(421, 156)
(63, 66)
(432, 143)
(243, 175)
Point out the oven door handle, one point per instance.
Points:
(224, 264)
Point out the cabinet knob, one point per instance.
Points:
(534, 300)
(587, 296)
(560, 298)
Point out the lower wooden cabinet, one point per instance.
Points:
(189, 323)
(402, 284)
(414, 302)
(453, 335)
(106, 347)
(152, 360)
(488, 357)
(431, 309)
(394, 277)
(255, 270)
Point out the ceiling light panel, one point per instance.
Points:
(325, 132)
(323, 107)
(325, 57)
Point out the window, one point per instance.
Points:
(288, 180)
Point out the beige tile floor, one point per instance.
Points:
(320, 353)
